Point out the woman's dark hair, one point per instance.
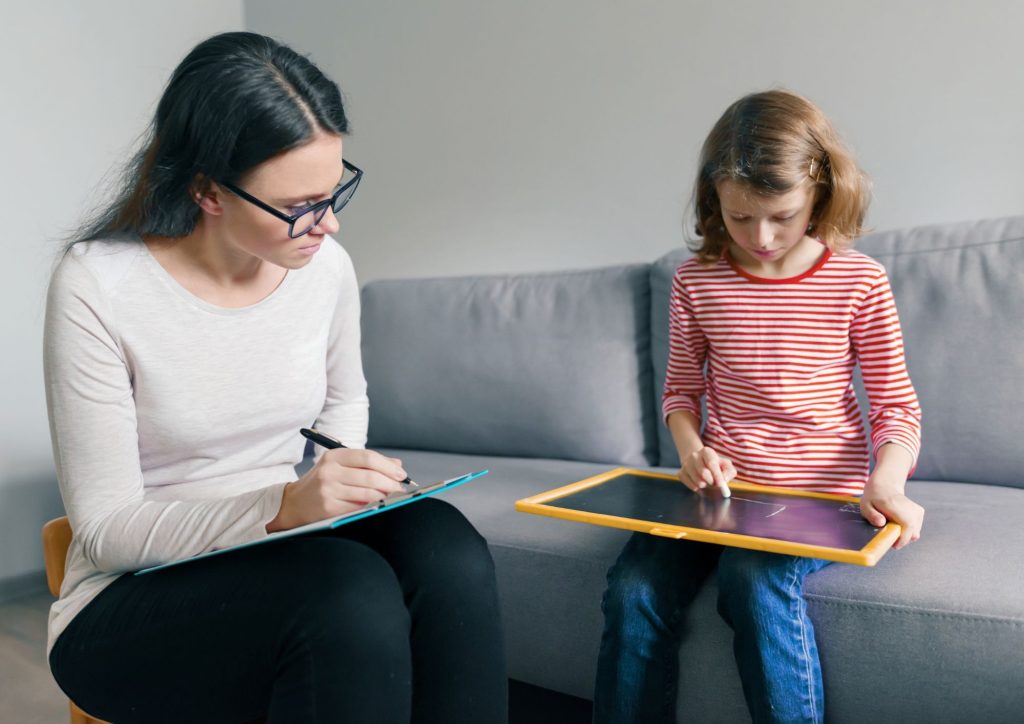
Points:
(235, 101)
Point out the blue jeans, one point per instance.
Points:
(760, 597)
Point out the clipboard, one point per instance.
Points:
(395, 500)
(758, 517)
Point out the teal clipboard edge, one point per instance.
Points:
(331, 523)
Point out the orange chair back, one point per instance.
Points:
(56, 540)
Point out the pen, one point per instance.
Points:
(326, 441)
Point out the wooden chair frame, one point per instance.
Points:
(56, 541)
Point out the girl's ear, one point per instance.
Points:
(821, 198)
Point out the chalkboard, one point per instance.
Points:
(787, 521)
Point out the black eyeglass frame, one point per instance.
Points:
(319, 209)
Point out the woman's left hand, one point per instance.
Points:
(881, 503)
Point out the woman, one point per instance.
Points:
(191, 330)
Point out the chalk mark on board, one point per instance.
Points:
(761, 502)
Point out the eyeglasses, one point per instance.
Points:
(308, 217)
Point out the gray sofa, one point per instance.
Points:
(550, 378)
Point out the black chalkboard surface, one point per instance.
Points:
(782, 521)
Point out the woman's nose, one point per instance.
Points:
(329, 224)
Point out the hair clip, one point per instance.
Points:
(816, 169)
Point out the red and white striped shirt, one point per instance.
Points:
(774, 359)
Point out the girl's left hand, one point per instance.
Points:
(881, 504)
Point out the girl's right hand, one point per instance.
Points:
(705, 467)
(342, 480)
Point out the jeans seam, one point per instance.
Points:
(797, 599)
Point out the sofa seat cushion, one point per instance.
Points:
(934, 631)
(941, 621)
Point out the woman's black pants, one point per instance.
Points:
(393, 618)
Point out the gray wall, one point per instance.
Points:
(541, 135)
(496, 136)
(80, 83)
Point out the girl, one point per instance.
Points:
(200, 322)
(767, 323)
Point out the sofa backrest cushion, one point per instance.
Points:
(662, 272)
(959, 289)
(550, 365)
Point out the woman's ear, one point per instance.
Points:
(207, 195)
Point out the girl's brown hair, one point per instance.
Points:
(772, 142)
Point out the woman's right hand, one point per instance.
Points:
(342, 480)
(705, 467)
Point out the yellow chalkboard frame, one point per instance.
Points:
(869, 555)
